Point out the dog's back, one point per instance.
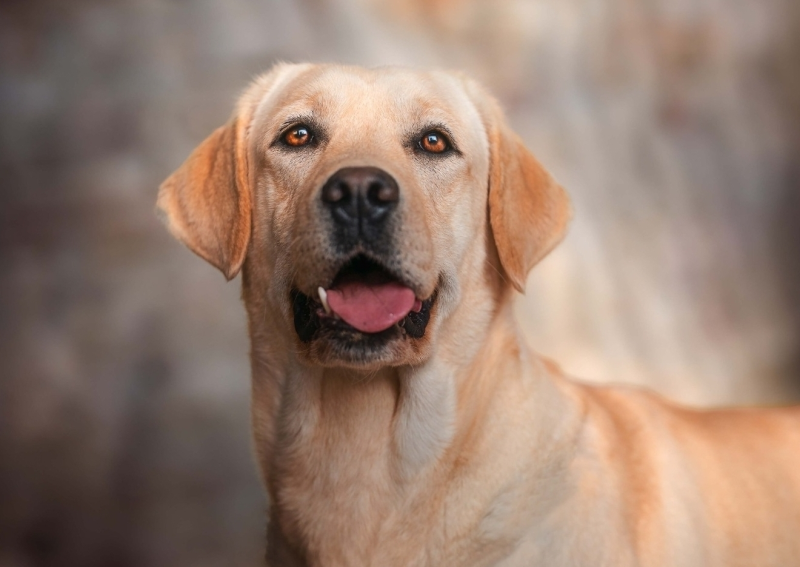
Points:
(716, 487)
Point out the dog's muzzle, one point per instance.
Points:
(369, 294)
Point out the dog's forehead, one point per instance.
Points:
(391, 97)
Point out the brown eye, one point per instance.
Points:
(297, 136)
(434, 142)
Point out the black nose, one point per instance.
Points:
(360, 200)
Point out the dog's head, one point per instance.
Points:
(364, 204)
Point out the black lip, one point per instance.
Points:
(415, 323)
(311, 322)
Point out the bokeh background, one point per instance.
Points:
(124, 381)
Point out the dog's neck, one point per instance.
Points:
(346, 454)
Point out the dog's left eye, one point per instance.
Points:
(434, 142)
(297, 136)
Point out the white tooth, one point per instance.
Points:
(323, 298)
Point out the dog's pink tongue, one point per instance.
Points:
(371, 308)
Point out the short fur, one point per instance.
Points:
(462, 447)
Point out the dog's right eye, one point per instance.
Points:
(297, 136)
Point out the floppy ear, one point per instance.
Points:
(206, 202)
(528, 210)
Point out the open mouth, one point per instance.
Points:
(365, 300)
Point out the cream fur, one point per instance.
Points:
(464, 447)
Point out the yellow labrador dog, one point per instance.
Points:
(383, 220)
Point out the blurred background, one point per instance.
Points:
(124, 380)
